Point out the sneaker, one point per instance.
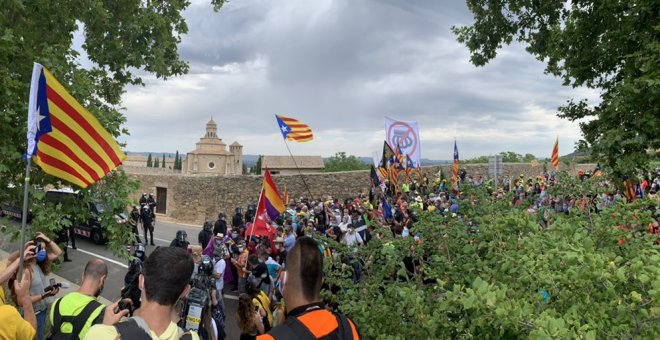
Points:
(67, 260)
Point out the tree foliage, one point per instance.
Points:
(163, 164)
(610, 46)
(123, 39)
(507, 157)
(510, 279)
(341, 162)
(150, 161)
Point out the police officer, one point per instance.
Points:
(307, 317)
(220, 226)
(134, 218)
(205, 234)
(72, 315)
(147, 223)
(237, 220)
(181, 240)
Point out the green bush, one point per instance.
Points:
(492, 284)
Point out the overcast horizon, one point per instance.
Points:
(341, 67)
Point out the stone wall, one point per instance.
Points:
(192, 199)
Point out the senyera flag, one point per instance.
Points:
(270, 207)
(293, 129)
(555, 155)
(67, 140)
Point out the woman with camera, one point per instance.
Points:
(45, 252)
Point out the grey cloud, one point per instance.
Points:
(340, 66)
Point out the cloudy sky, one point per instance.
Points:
(341, 66)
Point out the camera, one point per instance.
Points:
(194, 308)
(37, 246)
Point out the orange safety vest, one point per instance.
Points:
(316, 324)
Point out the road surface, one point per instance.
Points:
(164, 233)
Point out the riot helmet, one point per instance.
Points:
(139, 252)
(181, 236)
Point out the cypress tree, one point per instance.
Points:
(156, 163)
(163, 166)
(149, 162)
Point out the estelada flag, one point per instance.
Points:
(293, 129)
(67, 140)
(555, 155)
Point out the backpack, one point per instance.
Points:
(77, 321)
(297, 330)
(130, 329)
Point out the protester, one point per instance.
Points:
(161, 289)
(240, 263)
(249, 318)
(261, 301)
(304, 306)
(12, 326)
(47, 251)
(75, 313)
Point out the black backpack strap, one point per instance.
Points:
(57, 318)
(344, 330)
(78, 322)
(130, 330)
(292, 329)
(81, 319)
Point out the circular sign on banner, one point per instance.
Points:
(403, 135)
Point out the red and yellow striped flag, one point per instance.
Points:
(67, 140)
(555, 155)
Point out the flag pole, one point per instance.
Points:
(299, 172)
(21, 249)
(254, 221)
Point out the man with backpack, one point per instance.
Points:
(71, 316)
(161, 289)
(307, 317)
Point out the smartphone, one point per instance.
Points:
(52, 282)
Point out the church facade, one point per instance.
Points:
(212, 157)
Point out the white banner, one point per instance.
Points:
(404, 135)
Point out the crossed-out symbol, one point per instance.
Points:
(403, 135)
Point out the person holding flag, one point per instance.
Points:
(454, 170)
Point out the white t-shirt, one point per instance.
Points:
(219, 268)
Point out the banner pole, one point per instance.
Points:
(21, 249)
(299, 172)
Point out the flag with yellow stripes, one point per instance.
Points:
(67, 140)
(293, 129)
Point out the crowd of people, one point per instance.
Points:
(278, 273)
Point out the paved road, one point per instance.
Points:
(164, 232)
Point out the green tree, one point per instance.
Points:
(123, 39)
(150, 162)
(163, 165)
(476, 160)
(156, 162)
(257, 167)
(511, 157)
(341, 162)
(177, 161)
(528, 157)
(610, 46)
